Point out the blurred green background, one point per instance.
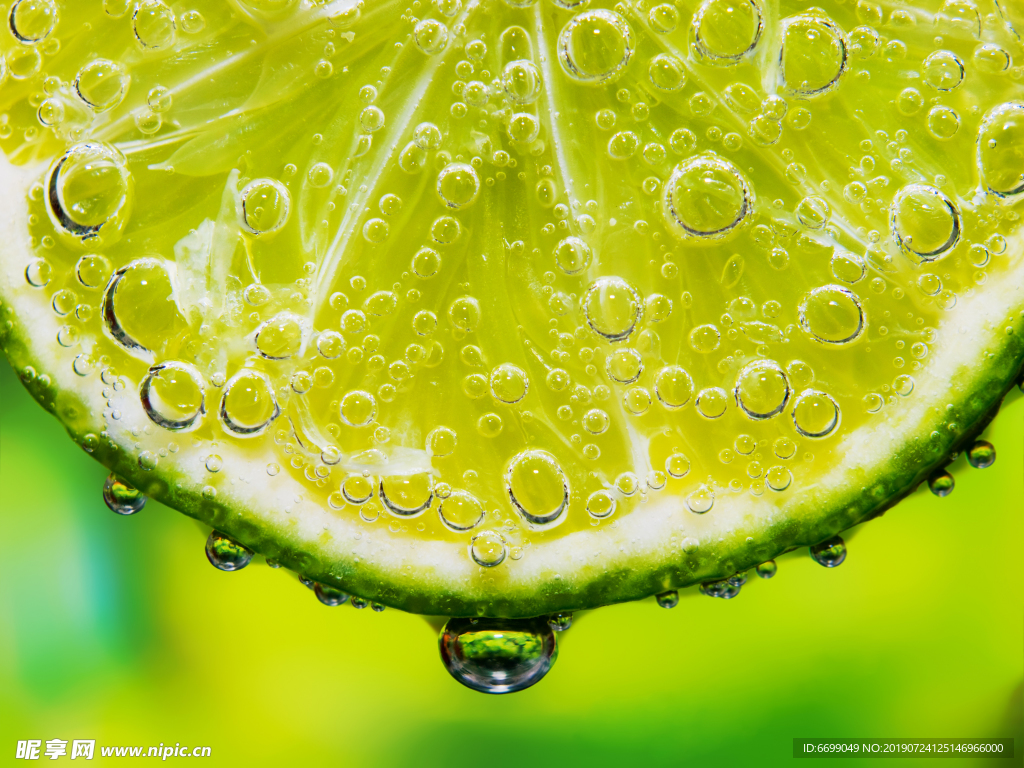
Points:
(118, 629)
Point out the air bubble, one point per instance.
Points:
(666, 72)
(488, 549)
(406, 495)
(925, 224)
(357, 489)
(509, 383)
(265, 206)
(624, 365)
(460, 511)
(441, 442)
(358, 408)
(102, 84)
(458, 186)
(814, 54)
(1000, 159)
(141, 283)
(573, 255)
(778, 478)
(706, 198)
(705, 338)
(537, 487)
(712, 402)
(431, 36)
(612, 308)
(90, 193)
(595, 46)
(32, 21)
(701, 500)
(847, 266)
(173, 395)
(154, 25)
(727, 31)
(762, 390)
(280, 337)
(673, 386)
(815, 414)
(248, 405)
(832, 314)
(943, 70)
(522, 81)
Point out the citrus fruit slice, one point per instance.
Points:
(508, 309)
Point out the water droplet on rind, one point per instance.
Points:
(498, 655)
(121, 497)
(90, 192)
(226, 554)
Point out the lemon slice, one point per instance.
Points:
(510, 309)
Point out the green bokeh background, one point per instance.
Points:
(118, 629)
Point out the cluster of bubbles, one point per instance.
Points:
(659, 371)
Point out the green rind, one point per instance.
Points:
(807, 520)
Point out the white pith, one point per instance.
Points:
(653, 533)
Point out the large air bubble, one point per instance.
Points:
(595, 46)
(925, 223)
(537, 487)
(173, 395)
(706, 198)
(89, 193)
(1001, 150)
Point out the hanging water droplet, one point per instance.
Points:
(173, 395)
(226, 554)
(981, 455)
(706, 198)
(121, 497)
(829, 553)
(815, 414)
(537, 487)
(498, 655)
(559, 622)
(762, 389)
(89, 193)
(925, 224)
(941, 483)
(329, 595)
(265, 206)
(722, 588)
(832, 314)
(248, 404)
(595, 46)
(668, 599)
(727, 31)
(612, 307)
(767, 569)
(406, 495)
